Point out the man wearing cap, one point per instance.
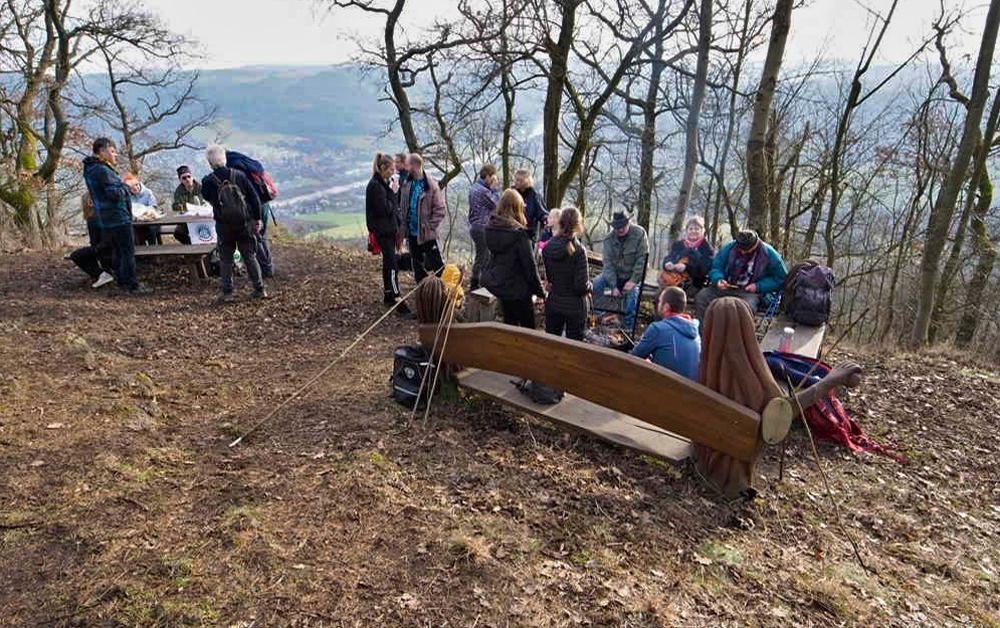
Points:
(747, 268)
(626, 249)
(188, 192)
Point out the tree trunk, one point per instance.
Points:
(944, 206)
(972, 312)
(399, 95)
(647, 142)
(757, 176)
(558, 52)
(694, 113)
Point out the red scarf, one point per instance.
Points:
(694, 244)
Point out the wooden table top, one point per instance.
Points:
(172, 218)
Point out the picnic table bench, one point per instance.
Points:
(195, 253)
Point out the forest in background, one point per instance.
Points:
(663, 108)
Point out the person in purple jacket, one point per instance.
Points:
(483, 198)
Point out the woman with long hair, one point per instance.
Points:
(383, 220)
(566, 271)
(511, 274)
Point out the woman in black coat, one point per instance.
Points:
(511, 274)
(690, 258)
(566, 272)
(383, 219)
(534, 209)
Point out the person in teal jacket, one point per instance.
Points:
(747, 268)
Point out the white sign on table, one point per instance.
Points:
(202, 232)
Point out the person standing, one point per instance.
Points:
(383, 220)
(483, 198)
(566, 273)
(236, 209)
(423, 203)
(187, 192)
(263, 186)
(534, 209)
(747, 268)
(511, 274)
(114, 212)
(625, 251)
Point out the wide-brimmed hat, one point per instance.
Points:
(619, 220)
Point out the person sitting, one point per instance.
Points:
(551, 228)
(690, 259)
(483, 198)
(673, 342)
(237, 217)
(187, 192)
(534, 208)
(511, 274)
(566, 274)
(141, 195)
(747, 268)
(625, 251)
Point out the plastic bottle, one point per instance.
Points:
(785, 345)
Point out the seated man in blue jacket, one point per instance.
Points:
(673, 342)
(747, 268)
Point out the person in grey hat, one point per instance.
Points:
(626, 250)
(747, 268)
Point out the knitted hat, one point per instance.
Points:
(182, 170)
(747, 239)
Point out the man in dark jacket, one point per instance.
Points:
(114, 211)
(569, 283)
(534, 209)
(233, 232)
(625, 251)
(423, 207)
(187, 192)
(483, 198)
(673, 342)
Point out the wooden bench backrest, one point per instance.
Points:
(608, 378)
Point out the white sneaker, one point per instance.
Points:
(103, 280)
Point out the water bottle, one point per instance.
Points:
(785, 345)
(237, 258)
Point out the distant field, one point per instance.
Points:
(335, 225)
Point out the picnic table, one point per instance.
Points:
(195, 253)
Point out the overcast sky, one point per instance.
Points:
(236, 33)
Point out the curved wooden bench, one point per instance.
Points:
(608, 378)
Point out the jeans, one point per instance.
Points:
(121, 240)
(264, 244)
(482, 258)
(711, 293)
(557, 321)
(232, 237)
(390, 268)
(631, 305)
(426, 258)
(518, 312)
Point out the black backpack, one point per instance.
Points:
(410, 367)
(540, 393)
(232, 203)
(809, 293)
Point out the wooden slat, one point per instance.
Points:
(808, 341)
(608, 378)
(581, 415)
(174, 249)
(173, 219)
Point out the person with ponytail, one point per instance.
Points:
(566, 271)
(383, 219)
(511, 274)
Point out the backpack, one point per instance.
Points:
(411, 366)
(540, 393)
(809, 293)
(232, 203)
(262, 182)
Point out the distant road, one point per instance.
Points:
(315, 196)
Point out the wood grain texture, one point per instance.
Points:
(807, 341)
(608, 378)
(174, 249)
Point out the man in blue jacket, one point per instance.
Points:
(114, 211)
(747, 268)
(673, 342)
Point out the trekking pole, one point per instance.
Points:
(437, 370)
(323, 372)
(426, 375)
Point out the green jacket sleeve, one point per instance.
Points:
(774, 279)
(608, 256)
(639, 269)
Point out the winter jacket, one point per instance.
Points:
(566, 274)
(699, 260)
(673, 343)
(381, 211)
(482, 201)
(183, 196)
(534, 211)
(108, 191)
(511, 274)
(144, 197)
(431, 209)
(210, 190)
(625, 258)
(769, 277)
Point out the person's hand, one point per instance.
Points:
(751, 288)
(847, 374)
(723, 285)
(257, 226)
(547, 285)
(616, 293)
(394, 184)
(629, 286)
(669, 266)
(680, 267)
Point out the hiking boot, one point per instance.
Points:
(225, 297)
(266, 274)
(104, 279)
(260, 293)
(138, 290)
(405, 312)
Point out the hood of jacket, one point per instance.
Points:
(687, 327)
(93, 161)
(557, 248)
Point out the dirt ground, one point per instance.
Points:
(121, 504)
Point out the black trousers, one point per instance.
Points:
(390, 267)
(482, 258)
(232, 237)
(518, 312)
(558, 321)
(426, 258)
(121, 241)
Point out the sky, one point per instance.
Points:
(234, 33)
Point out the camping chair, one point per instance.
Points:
(607, 304)
(766, 314)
